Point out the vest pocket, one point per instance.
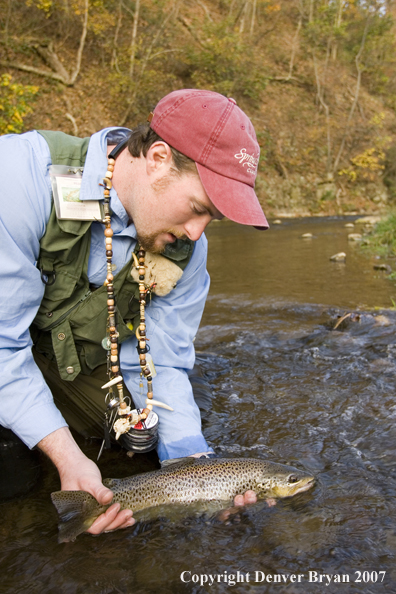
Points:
(65, 351)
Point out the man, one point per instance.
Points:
(195, 162)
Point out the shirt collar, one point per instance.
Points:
(94, 170)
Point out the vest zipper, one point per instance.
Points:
(64, 315)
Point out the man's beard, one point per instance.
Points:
(149, 242)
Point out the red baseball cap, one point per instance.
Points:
(214, 132)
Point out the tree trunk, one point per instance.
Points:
(133, 40)
(337, 24)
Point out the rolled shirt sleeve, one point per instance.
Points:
(26, 403)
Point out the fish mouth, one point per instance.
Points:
(310, 483)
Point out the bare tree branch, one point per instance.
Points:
(252, 22)
(320, 95)
(206, 9)
(73, 121)
(114, 56)
(81, 46)
(7, 22)
(133, 40)
(50, 57)
(294, 48)
(70, 116)
(337, 24)
(193, 34)
(147, 58)
(356, 98)
(25, 68)
(244, 15)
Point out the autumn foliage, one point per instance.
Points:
(317, 78)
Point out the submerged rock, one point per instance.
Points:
(340, 257)
(355, 237)
(384, 267)
(370, 220)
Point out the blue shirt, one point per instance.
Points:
(26, 403)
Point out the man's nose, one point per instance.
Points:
(195, 227)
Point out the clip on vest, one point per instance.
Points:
(48, 276)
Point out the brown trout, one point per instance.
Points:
(185, 482)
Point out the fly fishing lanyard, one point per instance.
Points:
(138, 429)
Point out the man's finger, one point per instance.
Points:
(250, 497)
(129, 522)
(119, 521)
(239, 500)
(105, 519)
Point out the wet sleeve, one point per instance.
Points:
(172, 323)
(26, 403)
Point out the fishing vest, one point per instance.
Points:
(71, 323)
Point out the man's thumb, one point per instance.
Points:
(103, 495)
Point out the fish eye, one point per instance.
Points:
(293, 478)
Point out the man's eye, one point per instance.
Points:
(197, 211)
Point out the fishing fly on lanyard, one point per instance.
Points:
(138, 429)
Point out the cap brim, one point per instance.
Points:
(234, 199)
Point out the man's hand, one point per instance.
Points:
(248, 497)
(79, 473)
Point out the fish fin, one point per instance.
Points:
(77, 512)
(186, 460)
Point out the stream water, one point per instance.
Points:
(276, 381)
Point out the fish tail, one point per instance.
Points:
(77, 512)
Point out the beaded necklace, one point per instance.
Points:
(127, 419)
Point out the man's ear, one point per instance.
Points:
(159, 158)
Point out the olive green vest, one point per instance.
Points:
(71, 322)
